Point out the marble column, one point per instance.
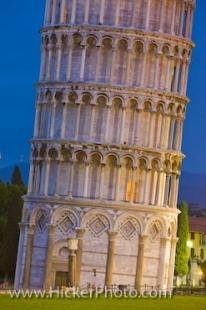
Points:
(58, 63)
(37, 120)
(172, 263)
(54, 8)
(47, 17)
(140, 262)
(48, 264)
(83, 63)
(31, 177)
(73, 15)
(173, 18)
(28, 261)
(101, 194)
(47, 172)
(72, 263)
(101, 15)
(86, 15)
(163, 263)
(148, 14)
(64, 120)
(79, 234)
(117, 13)
(18, 273)
(53, 118)
(69, 65)
(63, 12)
(110, 259)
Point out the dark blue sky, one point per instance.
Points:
(19, 67)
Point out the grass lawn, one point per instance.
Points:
(176, 303)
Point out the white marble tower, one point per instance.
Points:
(106, 152)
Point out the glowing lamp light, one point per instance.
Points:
(189, 244)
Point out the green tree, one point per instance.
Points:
(203, 267)
(11, 237)
(16, 178)
(181, 262)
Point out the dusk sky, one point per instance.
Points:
(19, 67)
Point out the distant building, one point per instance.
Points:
(196, 248)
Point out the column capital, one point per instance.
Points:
(164, 241)
(22, 225)
(31, 228)
(72, 244)
(80, 232)
(174, 241)
(52, 229)
(143, 238)
(112, 235)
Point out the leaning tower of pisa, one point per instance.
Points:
(106, 152)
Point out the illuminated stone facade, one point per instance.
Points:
(106, 153)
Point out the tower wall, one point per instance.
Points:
(106, 153)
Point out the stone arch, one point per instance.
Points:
(53, 59)
(48, 95)
(163, 66)
(179, 110)
(71, 117)
(42, 220)
(40, 208)
(116, 113)
(130, 124)
(160, 223)
(76, 57)
(172, 226)
(91, 59)
(115, 157)
(105, 60)
(79, 174)
(93, 213)
(58, 246)
(137, 59)
(170, 108)
(145, 123)
(155, 230)
(143, 162)
(110, 177)
(95, 240)
(64, 58)
(94, 179)
(126, 186)
(85, 118)
(120, 70)
(58, 116)
(128, 229)
(127, 215)
(155, 171)
(99, 123)
(65, 220)
(151, 65)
